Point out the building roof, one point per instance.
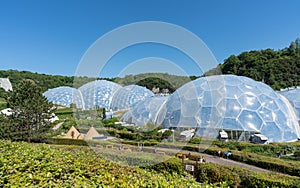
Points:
(5, 84)
(73, 133)
(91, 134)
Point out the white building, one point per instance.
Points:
(5, 84)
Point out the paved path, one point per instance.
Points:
(219, 160)
(228, 162)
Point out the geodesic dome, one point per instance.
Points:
(98, 93)
(64, 96)
(144, 111)
(232, 103)
(293, 95)
(126, 97)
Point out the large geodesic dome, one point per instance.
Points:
(293, 95)
(64, 96)
(98, 93)
(125, 97)
(145, 111)
(194, 104)
(232, 103)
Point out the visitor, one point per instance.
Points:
(219, 153)
(227, 154)
(278, 154)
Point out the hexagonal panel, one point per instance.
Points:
(249, 101)
(266, 114)
(250, 120)
(272, 131)
(233, 108)
(231, 124)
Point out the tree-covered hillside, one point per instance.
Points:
(155, 80)
(149, 80)
(279, 69)
(43, 80)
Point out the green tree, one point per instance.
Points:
(297, 42)
(103, 113)
(31, 111)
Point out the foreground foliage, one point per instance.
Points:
(41, 165)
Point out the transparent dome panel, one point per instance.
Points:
(126, 97)
(64, 96)
(145, 111)
(98, 93)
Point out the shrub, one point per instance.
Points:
(172, 165)
(212, 173)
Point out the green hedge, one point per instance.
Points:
(239, 177)
(62, 141)
(172, 165)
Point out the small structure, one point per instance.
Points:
(162, 130)
(57, 126)
(5, 84)
(6, 111)
(73, 133)
(258, 139)
(109, 114)
(53, 118)
(187, 135)
(92, 134)
(223, 136)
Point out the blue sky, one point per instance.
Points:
(51, 36)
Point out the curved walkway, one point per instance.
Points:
(222, 161)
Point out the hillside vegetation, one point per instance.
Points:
(279, 69)
(149, 80)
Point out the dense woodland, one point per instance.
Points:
(149, 80)
(277, 68)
